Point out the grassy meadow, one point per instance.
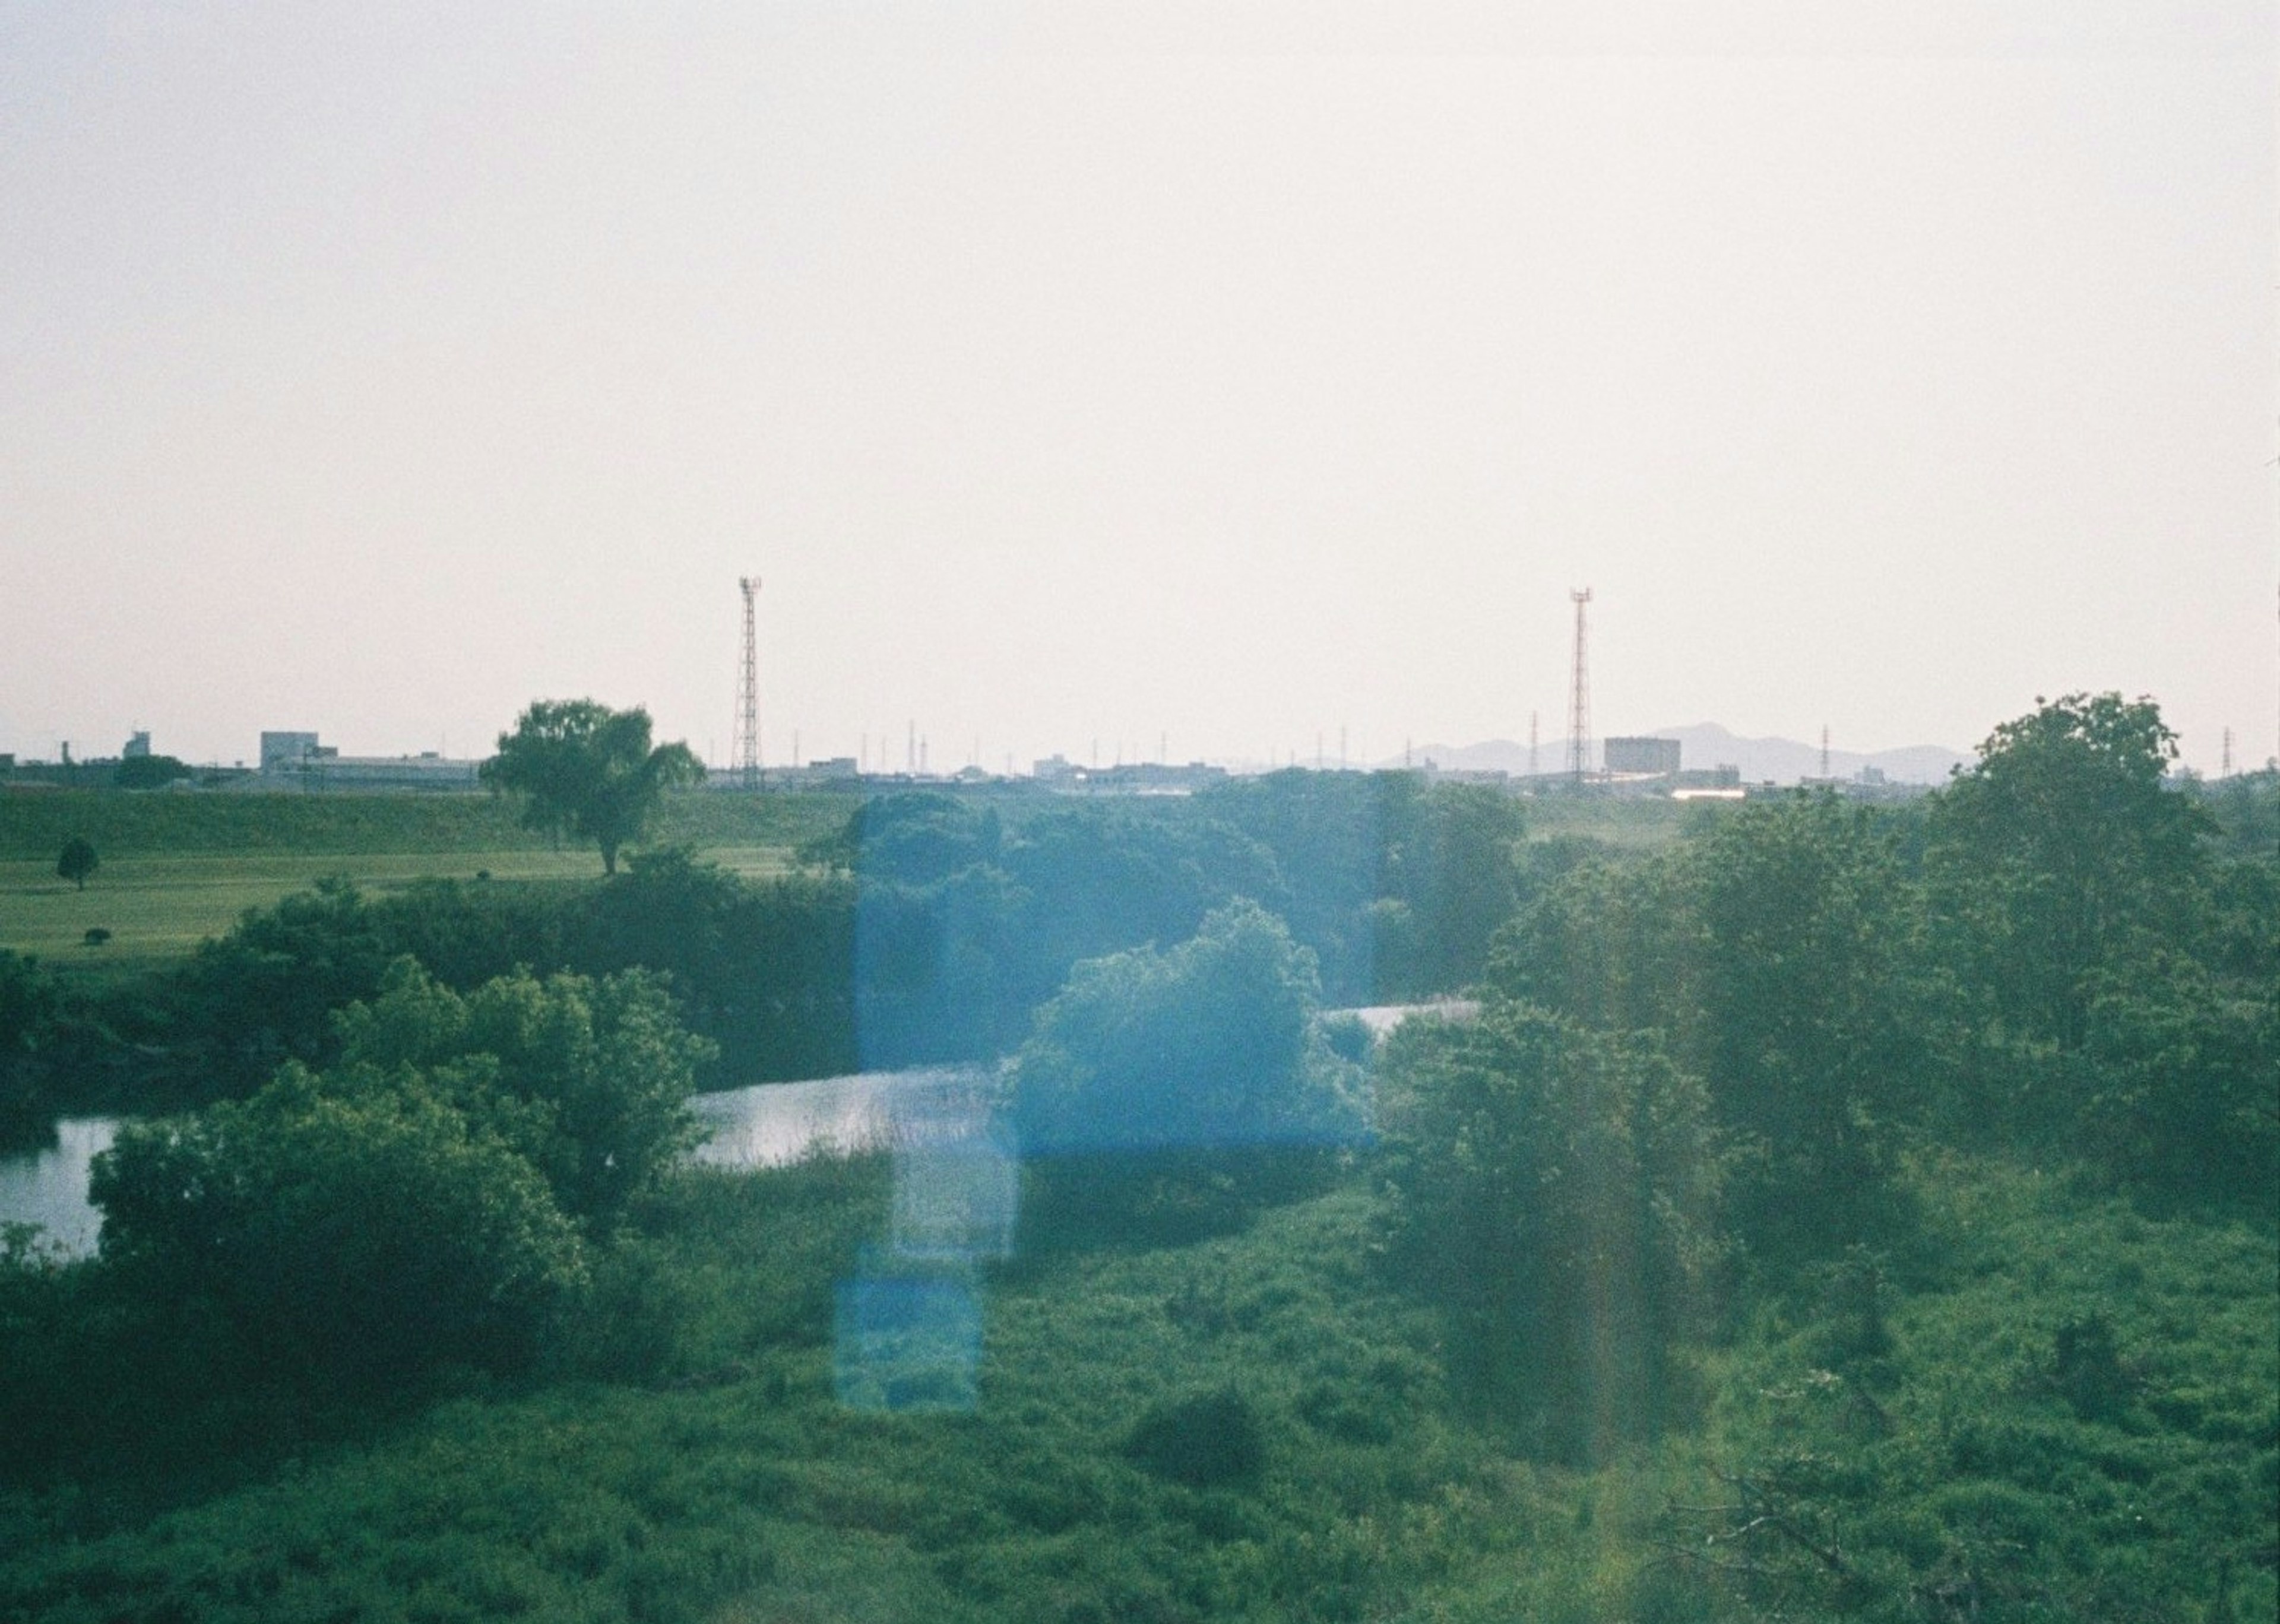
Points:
(176, 869)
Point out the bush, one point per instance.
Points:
(1213, 1043)
(589, 1080)
(361, 1238)
(1207, 1441)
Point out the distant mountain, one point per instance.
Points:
(1707, 744)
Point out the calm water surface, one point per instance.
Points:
(48, 1187)
(760, 1127)
(763, 1126)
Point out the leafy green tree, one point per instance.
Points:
(1610, 944)
(2062, 849)
(588, 771)
(588, 1079)
(362, 1238)
(265, 990)
(149, 772)
(1211, 1045)
(78, 860)
(1806, 1025)
(1552, 1188)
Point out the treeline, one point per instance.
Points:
(1708, 1063)
(925, 928)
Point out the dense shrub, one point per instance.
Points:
(588, 1079)
(1213, 1043)
(31, 1005)
(362, 1236)
(1206, 1440)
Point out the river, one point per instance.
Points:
(763, 1126)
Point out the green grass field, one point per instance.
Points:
(177, 869)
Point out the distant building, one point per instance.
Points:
(283, 751)
(300, 761)
(1657, 757)
(328, 769)
(831, 772)
(138, 746)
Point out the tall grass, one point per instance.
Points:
(1258, 1424)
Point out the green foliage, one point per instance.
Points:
(265, 992)
(1608, 945)
(764, 969)
(1552, 1188)
(1807, 1021)
(2071, 1412)
(77, 861)
(588, 1079)
(362, 1236)
(31, 1005)
(150, 772)
(1213, 1043)
(2179, 1079)
(586, 770)
(2061, 850)
(1397, 884)
(1206, 1440)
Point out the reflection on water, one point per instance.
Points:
(772, 1123)
(955, 1178)
(48, 1186)
(1383, 1017)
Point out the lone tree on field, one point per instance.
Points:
(78, 860)
(585, 770)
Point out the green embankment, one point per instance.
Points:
(178, 868)
(1952, 1469)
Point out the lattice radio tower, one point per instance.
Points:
(1579, 698)
(748, 692)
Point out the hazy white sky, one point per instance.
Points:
(1069, 372)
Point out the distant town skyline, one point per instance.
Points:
(1222, 377)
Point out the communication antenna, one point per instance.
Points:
(1531, 743)
(1579, 697)
(747, 747)
(2226, 770)
(1824, 749)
